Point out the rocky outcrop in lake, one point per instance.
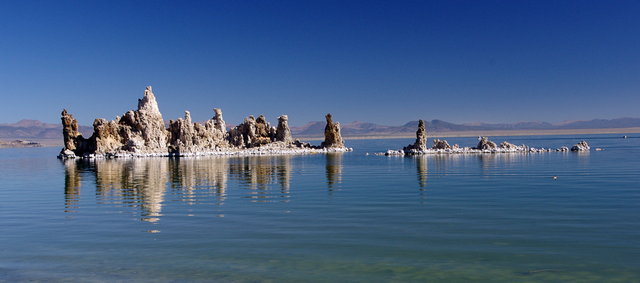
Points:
(332, 136)
(283, 133)
(483, 146)
(441, 144)
(581, 146)
(420, 145)
(74, 142)
(142, 132)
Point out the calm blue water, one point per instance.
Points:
(326, 218)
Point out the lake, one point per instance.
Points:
(347, 217)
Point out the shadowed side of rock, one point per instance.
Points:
(74, 143)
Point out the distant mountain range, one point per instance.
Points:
(313, 129)
(33, 129)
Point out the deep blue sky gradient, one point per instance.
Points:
(380, 61)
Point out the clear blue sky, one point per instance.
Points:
(384, 62)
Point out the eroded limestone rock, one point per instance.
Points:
(217, 121)
(69, 130)
(332, 136)
(508, 145)
(441, 144)
(283, 133)
(142, 132)
(420, 145)
(74, 143)
(486, 144)
(147, 124)
(185, 136)
(581, 146)
(107, 135)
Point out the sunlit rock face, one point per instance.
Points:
(147, 123)
(69, 130)
(486, 144)
(420, 145)
(142, 133)
(581, 146)
(252, 133)
(441, 144)
(283, 133)
(508, 145)
(185, 136)
(332, 136)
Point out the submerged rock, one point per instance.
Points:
(581, 146)
(332, 136)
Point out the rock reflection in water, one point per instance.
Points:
(71, 187)
(334, 169)
(133, 182)
(257, 173)
(421, 166)
(143, 183)
(190, 174)
(494, 164)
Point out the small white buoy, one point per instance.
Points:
(554, 177)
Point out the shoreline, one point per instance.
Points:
(500, 133)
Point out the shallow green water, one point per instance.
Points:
(326, 218)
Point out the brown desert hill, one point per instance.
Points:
(362, 129)
(34, 129)
(31, 133)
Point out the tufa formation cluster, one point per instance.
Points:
(143, 133)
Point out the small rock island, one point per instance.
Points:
(419, 147)
(142, 133)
